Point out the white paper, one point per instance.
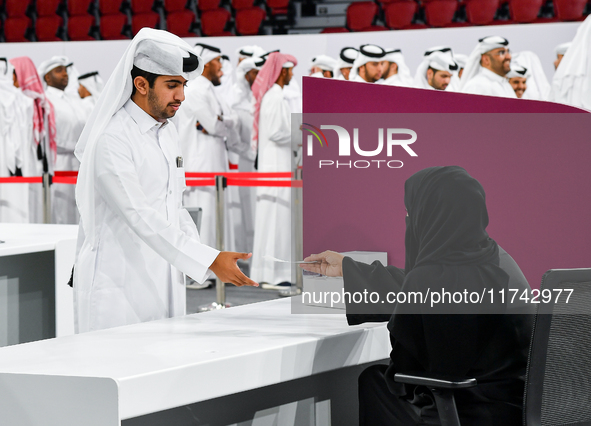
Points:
(274, 259)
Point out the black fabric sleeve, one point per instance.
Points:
(363, 284)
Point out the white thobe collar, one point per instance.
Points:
(144, 120)
(55, 92)
(493, 76)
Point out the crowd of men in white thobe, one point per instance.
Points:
(233, 119)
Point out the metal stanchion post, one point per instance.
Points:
(297, 243)
(46, 197)
(220, 185)
(220, 287)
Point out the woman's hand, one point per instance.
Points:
(329, 263)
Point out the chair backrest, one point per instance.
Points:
(78, 7)
(248, 21)
(361, 15)
(524, 10)
(175, 5)
(242, 4)
(558, 382)
(16, 8)
(481, 12)
(142, 6)
(569, 10)
(109, 7)
(47, 7)
(439, 13)
(214, 21)
(277, 4)
(400, 14)
(207, 4)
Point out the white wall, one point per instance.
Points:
(104, 55)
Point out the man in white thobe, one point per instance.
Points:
(395, 70)
(70, 117)
(560, 51)
(16, 125)
(272, 137)
(487, 67)
(246, 73)
(436, 69)
(571, 83)
(367, 67)
(203, 129)
(135, 240)
(90, 86)
(345, 63)
(322, 66)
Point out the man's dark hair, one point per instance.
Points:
(434, 70)
(136, 72)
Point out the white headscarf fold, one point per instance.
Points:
(439, 58)
(562, 48)
(158, 52)
(93, 83)
(207, 52)
(346, 59)
(572, 80)
(253, 51)
(367, 53)
(538, 87)
(395, 55)
(242, 93)
(484, 45)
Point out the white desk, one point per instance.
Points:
(101, 378)
(35, 265)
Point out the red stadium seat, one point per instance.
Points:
(440, 13)
(110, 7)
(332, 30)
(142, 20)
(111, 26)
(248, 21)
(360, 15)
(214, 21)
(400, 14)
(180, 23)
(242, 4)
(142, 6)
(79, 27)
(204, 5)
(524, 10)
(481, 12)
(569, 10)
(175, 5)
(15, 29)
(374, 28)
(78, 7)
(47, 28)
(47, 7)
(16, 8)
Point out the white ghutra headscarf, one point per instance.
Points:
(155, 51)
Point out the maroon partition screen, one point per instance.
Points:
(531, 157)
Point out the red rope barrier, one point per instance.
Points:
(21, 179)
(233, 179)
(201, 182)
(246, 175)
(69, 173)
(258, 182)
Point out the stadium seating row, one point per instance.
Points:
(54, 20)
(402, 14)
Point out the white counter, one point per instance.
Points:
(35, 265)
(102, 377)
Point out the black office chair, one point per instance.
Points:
(558, 382)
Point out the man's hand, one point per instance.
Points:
(330, 263)
(226, 269)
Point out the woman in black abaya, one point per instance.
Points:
(447, 247)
